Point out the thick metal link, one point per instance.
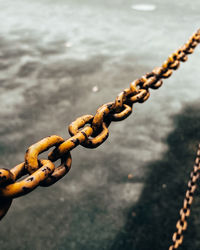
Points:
(31, 157)
(88, 131)
(59, 172)
(99, 139)
(29, 183)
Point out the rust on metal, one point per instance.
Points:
(181, 224)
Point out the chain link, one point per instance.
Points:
(90, 132)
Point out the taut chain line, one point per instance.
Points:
(89, 131)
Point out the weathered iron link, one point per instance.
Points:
(185, 211)
(89, 131)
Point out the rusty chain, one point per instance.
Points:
(89, 131)
(181, 224)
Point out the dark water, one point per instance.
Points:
(52, 57)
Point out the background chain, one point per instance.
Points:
(181, 224)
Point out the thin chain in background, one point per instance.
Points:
(181, 224)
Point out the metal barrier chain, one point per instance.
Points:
(181, 224)
(88, 131)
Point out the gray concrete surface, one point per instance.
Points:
(52, 55)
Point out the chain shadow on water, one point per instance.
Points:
(151, 222)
